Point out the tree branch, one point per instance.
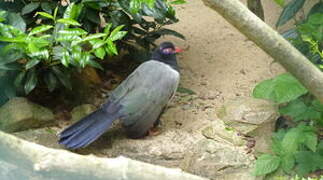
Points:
(33, 160)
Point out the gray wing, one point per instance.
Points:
(144, 94)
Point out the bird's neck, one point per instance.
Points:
(173, 64)
(170, 60)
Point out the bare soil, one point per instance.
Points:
(219, 62)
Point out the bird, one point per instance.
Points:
(137, 102)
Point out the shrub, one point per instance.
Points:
(44, 42)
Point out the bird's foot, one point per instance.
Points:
(154, 131)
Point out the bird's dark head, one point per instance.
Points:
(166, 53)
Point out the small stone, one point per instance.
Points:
(242, 71)
(203, 83)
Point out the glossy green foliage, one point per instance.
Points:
(71, 37)
(95, 13)
(296, 149)
(281, 89)
(49, 52)
(307, 36)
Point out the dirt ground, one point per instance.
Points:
(219, 62)
(218, 57)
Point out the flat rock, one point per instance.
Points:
(247, 110)
(43, 136)
(213, 159)
(253, 117)
(218, 131)
(19, 114)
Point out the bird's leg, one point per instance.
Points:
(154, 131)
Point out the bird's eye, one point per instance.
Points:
(168, 51)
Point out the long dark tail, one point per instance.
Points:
(90, 128)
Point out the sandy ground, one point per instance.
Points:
(218, 57)
(220, 63)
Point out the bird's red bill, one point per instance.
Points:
(178, 50)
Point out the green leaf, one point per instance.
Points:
(111, 48)
(115, 32)
(317, 105)
(309, 114)
(283, 88)
(291, 140)
(266, 164)
(177, 2)
(16, 21)
(281, 3)
(107, 28)
(58, 52)
(298, 111)
(135, 6)
(20, 79)
(69, 38)
(308, 162)
(10, 56)
(31, 81)
(40, 29)
(86, 57)
(316, 19)
(311, 141)
(32, 63)
(294, 108)
(51, 81)
(288, 162)
(65, 59)
(276, 146)
(320, 148)
(95, 64)
(3, 15)
(92, 37)
(41, 41)
(46, 15)
(150, 3)
(63, 77)
(290, 11)
(72, 31)
(30, 8)
(40, 53)
(69, 22)
(97, 43)
(55, 12)
(185, 91)
(73, 11)
(300, 135)
(48, 6)
(317, 8)
(9, 67)
(119, 35)
(32, 47)
(20, 39)
(99, 52)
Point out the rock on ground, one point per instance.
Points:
(253, 117)
(19, 114)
